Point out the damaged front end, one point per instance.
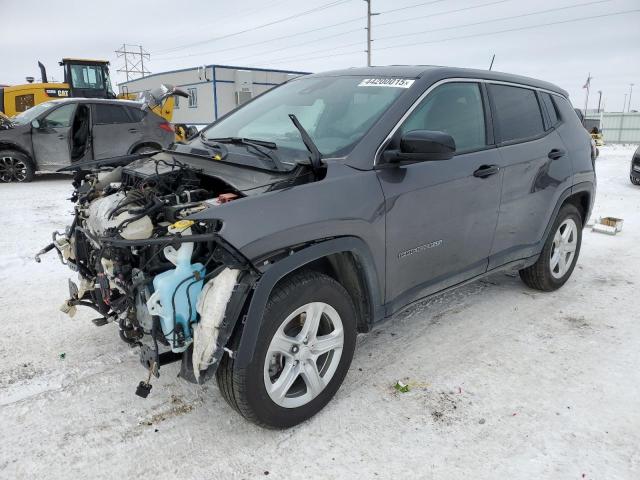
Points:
(174, 286)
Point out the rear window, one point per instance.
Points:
(518, 112)
(550, 107)
(108, 114)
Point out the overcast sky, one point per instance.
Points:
(190, 33)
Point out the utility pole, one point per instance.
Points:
(630, 92)
(587, 85)
(624, 105)
(133, 61)
(369, 15)
(599, 99)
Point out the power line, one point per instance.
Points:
(319, 8)
(262, 42)
(412, 6)
(284, 37)
(540, 12)
(495, 32)
(315, 40)
(437, 14)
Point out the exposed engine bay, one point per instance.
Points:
(169, 282)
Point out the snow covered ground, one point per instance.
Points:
(506, 382)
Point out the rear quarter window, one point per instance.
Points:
(517, 111)
(550, 107)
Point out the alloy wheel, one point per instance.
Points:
(12, 169)
(563, 249)
(303, 355)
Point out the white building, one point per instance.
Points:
(213, 89)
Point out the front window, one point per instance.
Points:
(336, 111)
(87, 76)
(453, 108)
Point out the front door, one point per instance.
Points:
(51, 138)
(441, 215)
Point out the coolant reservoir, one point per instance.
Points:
(176, 292)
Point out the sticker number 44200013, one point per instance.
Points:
(386, 82)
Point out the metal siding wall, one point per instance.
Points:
(619, 127)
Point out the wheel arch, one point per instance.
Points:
(144, 143)
(4, 145)
(346, 259)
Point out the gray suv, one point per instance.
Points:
(55, 134)
(257, 252)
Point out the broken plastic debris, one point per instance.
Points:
(401, 387)
(62, 355)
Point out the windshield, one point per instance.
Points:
(336, 111)
(29, 115)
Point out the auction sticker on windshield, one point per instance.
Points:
(386, 82)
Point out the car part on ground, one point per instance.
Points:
(259, 249)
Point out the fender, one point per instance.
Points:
(280, 269)
(577, 188)
(14, 146)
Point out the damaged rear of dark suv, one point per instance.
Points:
(259, 250)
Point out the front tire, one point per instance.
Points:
(560, 253)
(16, 167)
(634, 180)
(303, 352)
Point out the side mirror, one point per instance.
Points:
(422, 146)
(35, 124)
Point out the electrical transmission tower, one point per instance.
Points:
(134, 59)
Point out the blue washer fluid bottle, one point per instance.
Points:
(180, 286)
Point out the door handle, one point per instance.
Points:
(61, 137)
(556, 153)
(133, 130)
(486, 171)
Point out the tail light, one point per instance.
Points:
(166, 126)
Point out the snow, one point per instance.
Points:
(505, 382)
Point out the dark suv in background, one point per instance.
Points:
(257, 251)
(55, 134)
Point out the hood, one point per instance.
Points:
(245, 179)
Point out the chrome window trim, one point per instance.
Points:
(442, 82)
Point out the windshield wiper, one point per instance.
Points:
(316, 156)
(256, 145)
(245, 141)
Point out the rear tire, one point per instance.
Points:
(288, 380)
(16, 167)
(560, 252)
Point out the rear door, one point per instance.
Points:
(114, 130)
(536, 170)
(441, 215)
(52, 138)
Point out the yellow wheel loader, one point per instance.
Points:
(82, 78)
